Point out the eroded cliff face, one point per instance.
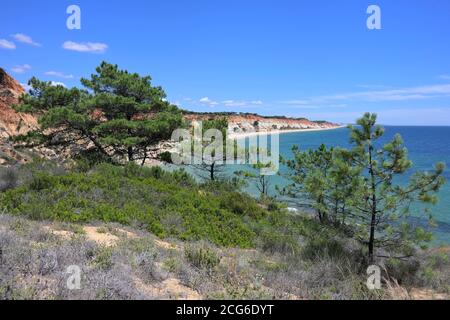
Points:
(252, 123)
(11, 122)
(245, 123)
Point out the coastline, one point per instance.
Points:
(259, 133)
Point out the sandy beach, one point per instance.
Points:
(251, 134)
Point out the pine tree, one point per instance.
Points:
(322, 179)
(212, 164)
(384, 206)
(358, 189)
(262, 181)
(119, 115)
(309, 173)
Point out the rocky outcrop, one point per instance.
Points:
(11, 122)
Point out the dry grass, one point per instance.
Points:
(125, 263)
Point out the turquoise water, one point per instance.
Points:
(426, 146)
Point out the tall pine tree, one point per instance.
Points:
(383, 205)
(119, 115)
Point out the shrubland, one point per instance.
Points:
(220, 243)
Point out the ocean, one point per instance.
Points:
(426, 146)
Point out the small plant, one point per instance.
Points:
(322, 246)
(41, 182)
(145, 261)
(202, 256)
(9, 179)
(103, 260)
(173, 223)
(172, 265)
(102, 230)
(276, 242)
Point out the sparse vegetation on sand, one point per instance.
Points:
(143, 233)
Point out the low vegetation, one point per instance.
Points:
(222, 244)
(35, 256)
(167, 204)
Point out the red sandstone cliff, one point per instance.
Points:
(12, 122)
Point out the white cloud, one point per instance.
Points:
(58, 74)
(21, 68)
(302, 105)
(241, 103)
(371, 86)
(5, 44)
(205, 100)
(229, 103)
(92, 47)
(20, 37)
(413, 93)
(56, 83)
(208, 102)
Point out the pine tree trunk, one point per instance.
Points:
(374, 209)
(372, 238)
(130, 154)
(212, 171)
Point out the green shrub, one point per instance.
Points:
(402, 271)
(275, 242)
(169, 204)
(323, 246)
(165, 157)
(172, 265)
(9, 179)
(202, 256)
(41, 182)
(103, 258)
(238, 203)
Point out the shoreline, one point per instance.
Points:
(259, 133)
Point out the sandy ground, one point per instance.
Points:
(251, 134)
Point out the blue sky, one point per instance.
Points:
(297, 58)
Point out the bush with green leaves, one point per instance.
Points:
(9, 178)
(202, 256)
(169, 204)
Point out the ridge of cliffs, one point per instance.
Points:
(13, 123)
(249, 122)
